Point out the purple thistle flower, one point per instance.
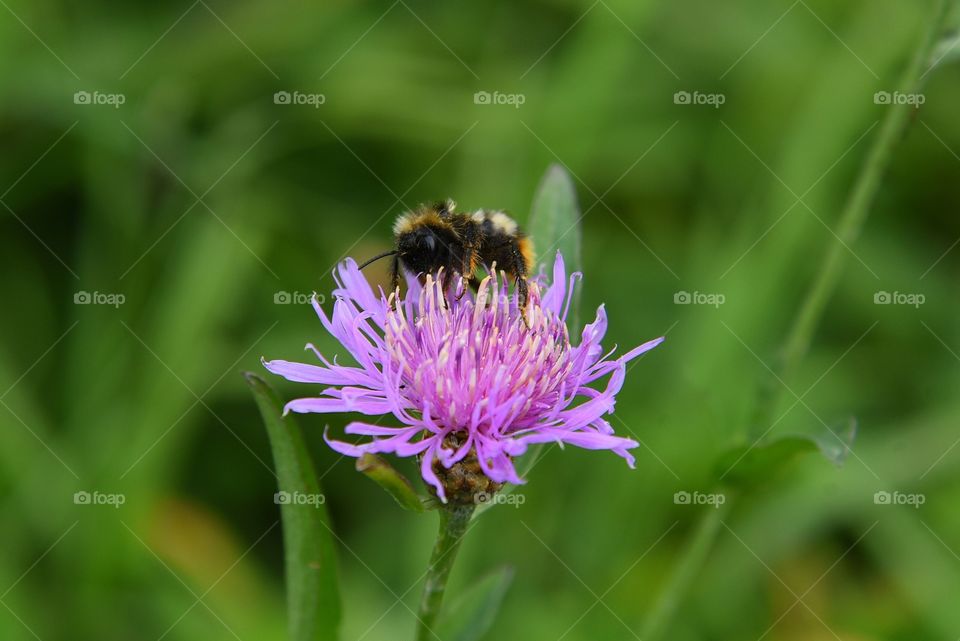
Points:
(464, 373)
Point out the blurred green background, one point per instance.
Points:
(183, 215)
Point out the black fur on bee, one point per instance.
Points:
(435, 237)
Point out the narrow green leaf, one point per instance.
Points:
(747, 464)
(947, 49)
(554, 225)
(555, 220)
(377, 469)
(471, 616)
(313, 596)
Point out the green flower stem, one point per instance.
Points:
(454, 520)
(858, 203)
(801, 333)
(685, 571)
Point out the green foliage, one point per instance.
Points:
(555, 219)
(555, 225)
(313, 595)
(757, 463)
(379, 470)
(470, 616)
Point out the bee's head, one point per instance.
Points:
(424, 249)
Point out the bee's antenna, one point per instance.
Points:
(378, 257)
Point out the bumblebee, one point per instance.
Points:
(435, 236)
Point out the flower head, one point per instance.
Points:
(470, 377)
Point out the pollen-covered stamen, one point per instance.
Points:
(467, 355)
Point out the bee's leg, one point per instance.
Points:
(522, 295)
(523, 292)
(468, 256)
(445, 279)
(509, 257)
(466, 268)
(517, 266)
(395, 273)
